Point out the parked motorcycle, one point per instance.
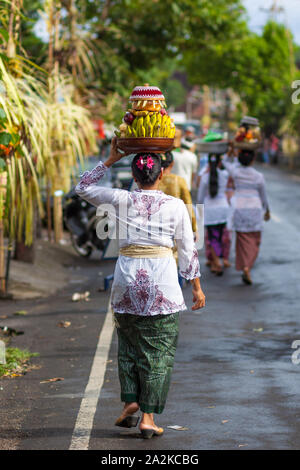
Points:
(81, 221)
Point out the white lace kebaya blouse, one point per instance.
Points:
(216, 209)
(250, 199)
(145, 286)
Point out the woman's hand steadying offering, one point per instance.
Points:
(115, 155)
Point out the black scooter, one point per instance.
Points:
(80, 220)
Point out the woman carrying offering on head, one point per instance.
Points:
(146, 297)
(250, 208)
(212, 193)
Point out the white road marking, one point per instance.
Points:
(85, 418)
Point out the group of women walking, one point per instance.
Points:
(146, 297)
(234, 198)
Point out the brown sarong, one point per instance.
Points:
(247, 248)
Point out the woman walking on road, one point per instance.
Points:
(250, 208)
(212, 193)
(146, 297)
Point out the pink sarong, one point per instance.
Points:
(247, 248)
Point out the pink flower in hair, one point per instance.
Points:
(150, 162)
(140, 163)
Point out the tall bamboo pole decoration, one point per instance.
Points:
(3, 186)
(57, 197)
(74, 62)
(19, 5)
(11, 50)
(50, 27)
(73, 18)
(11, 47)
(50, 32)
(56, 47)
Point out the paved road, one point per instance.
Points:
(234, 384)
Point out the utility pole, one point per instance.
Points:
(274, 10)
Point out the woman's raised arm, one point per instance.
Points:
(88, 189)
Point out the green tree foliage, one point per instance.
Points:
(130, 42)
(135, 37)
(142, 31)
(259, 68)
(126, 41)
(291, 124)
(174, 92)
(159, 75)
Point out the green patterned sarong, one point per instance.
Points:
(146, 353)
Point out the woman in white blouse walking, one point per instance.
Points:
(146, 296)
(212, 193)
(250, 208)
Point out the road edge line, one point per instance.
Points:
(84, 423)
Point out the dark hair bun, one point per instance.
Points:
(166, 159)
(145, 175)
(246, 157)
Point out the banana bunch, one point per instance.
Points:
(147, 124)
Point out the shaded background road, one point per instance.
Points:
(234, 385)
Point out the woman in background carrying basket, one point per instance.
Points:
(250, 208)
(250, 204)
(212, 193)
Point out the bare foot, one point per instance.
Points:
(216, 269)
(148, 426)
(147, 423)
(246, 276)
(128, 410)
(226, 263)
(148, 431)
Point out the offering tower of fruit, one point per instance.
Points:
(147, 116)
(249, 131)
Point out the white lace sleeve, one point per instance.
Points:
(91, 177)
(88, 189)
(263, 193)
(188, 261)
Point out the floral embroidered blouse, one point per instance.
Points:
(145, 286)
(216, 209)
(250, 199)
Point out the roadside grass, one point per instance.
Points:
(17, 362)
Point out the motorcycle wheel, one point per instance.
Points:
(84, 251)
